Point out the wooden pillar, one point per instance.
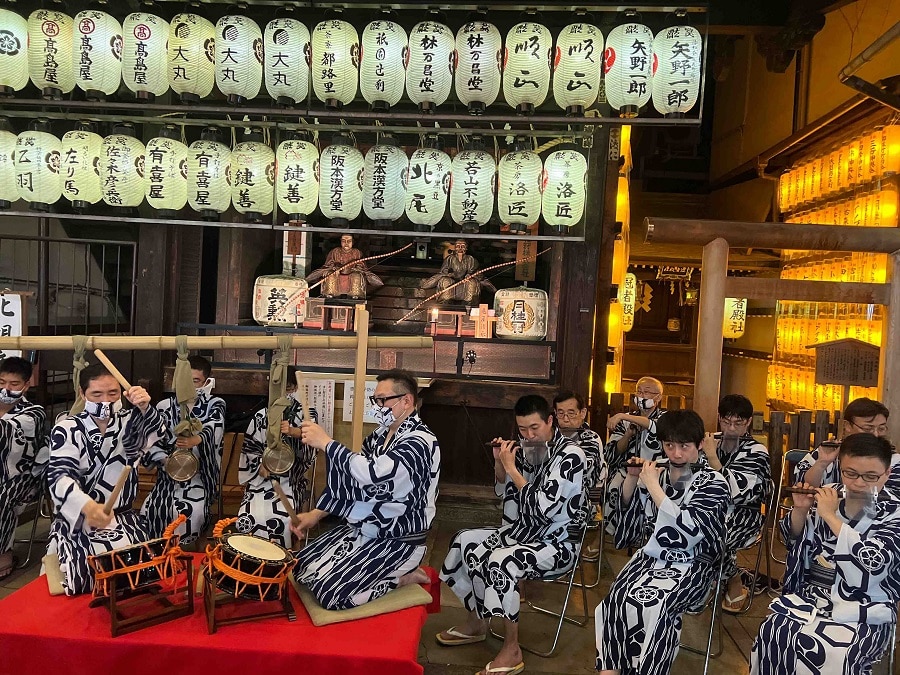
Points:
(708, 368)
(361, 322)
(153, 315)
(889, 368)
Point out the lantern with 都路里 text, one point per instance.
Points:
(335, 62)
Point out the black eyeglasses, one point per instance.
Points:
(381, 400)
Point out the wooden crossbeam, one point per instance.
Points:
(766, 288)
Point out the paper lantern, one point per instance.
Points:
(191, 57)
(335, 62)
(341, 183)
(37, 161)
(562, 204)
(297, 178)
(676, 70)
(889, 162)
(145, 55)
(383, 57)
(429, 76)
(576, 67)
(479, 58)
(9, 192)
(253, 177)
(239, 58)
(13, 52)
(209, 175)
(384, 182)
(80, 159)
(428, 187)
(735, 318)
(50, 52)
(98, 54)
(286, 50)
(167, 172)
(472, 182)
(519, 178)
(526, 66)
(628, 65)
(627, 300)
(122, 168)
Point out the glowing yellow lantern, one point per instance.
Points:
(889, 163)
(735, 317)
(620, 261)
(850, 166)
(615, 334)
(887, 208)
(783, 192)
(628, 300)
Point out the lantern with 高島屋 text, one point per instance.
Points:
(192, 59)
(526, 66)
(209, 175)
(239, 58)
(479, 55)
(472, 182)
(519, 179)
(429, 76)
(341, 168)
(80, 161)
(37, 161)
(577, 65)
(428, 185)
(628, 64)
(335, 62)
(286, 51)
(384, 52)
(297, 179)
(122, 168)
(51, 52)
(384, 182)
(166, 164)
(13, 52)
(676, 69)
(562, 202)
(98, 53)
(145, 37)
(253, 177)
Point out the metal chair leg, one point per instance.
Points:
(714, 613)
(38, 514)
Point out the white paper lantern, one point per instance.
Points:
(50, 52)
(384, 182)
(628, 64)
(253, 178)
(519, 179)
(340, 187)
(628, 300)
(191, 59)
(429, 76)
(735, 318)
(37, 169)
(80, 167)
(577, 66)
(122, 169)
(472, 182)
(297, 179)
(428, 187)
(526, 66)
(98, 54)
(209, 176)
(167, 172)
(335, 62)
(13, 52)
(239, 58)
(562, 202)
(479, 56)
(9, 192)
(144, 55)
(676, 70)
(384, 53)
(286, 49)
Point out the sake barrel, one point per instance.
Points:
(521, 313)
(279, 300)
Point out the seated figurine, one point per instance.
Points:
(342, 275)
(457, 281)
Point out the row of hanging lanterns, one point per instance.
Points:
(190, 54)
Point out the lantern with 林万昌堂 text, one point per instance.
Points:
(473, 176)
(341, 168)
(677, 53)
(384, 182)
(145, 37)
(37, 160)
(122, 168)
(8, 191)
(562, 202)
(166, 165)
(429, 76)
(239, 58)
(98, 53)
(577, 64)
(209, 175)
(286, 51)
(192, 58)
(253, 177)
(519, 178)
(80, 162)
(297, 179)
(335, 62)
(479, 57)
(13, 52)
(628, 64)
(383, 55)
(526, 66)
(428, 185)
(51, 52)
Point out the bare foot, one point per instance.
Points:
(417, 576)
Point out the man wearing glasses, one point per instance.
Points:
(385, 493)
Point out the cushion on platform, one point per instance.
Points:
(412, 595)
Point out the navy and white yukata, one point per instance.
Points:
(21, 437)
(387, 494)
(261, 512)
(590, 443)
(832, 473)
(639, 621)
(85, 463)
(541, 531)
(840, 595)
(192, 497)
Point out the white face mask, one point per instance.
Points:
(102, 410)
(384, 416)
(643, 403)
(206, 390)
(8, 397)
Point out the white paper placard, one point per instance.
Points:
(10, 320)
(368, 415)
(321, 398)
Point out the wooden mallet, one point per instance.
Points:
(120, 483)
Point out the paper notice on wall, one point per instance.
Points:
(11, 320)
(368, 414)
(321, 399)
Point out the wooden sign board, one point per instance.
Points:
(848, 362)
(13, 317)
(526, 260)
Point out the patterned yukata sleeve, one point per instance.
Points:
(683, 527)
(20, 433)
(560, 490)
(252, 449)
(64, 471)
(210, 449)
(342, 491)
(804, 465)
(628, 520)
(142, 431)
(748, 476)
(613, 459)
(589, 442)
(799, 551)
(156, 454)
(867, 565)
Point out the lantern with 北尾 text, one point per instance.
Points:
(145, 37)
(122, 168)
(286, 51)
(239, 58)
(209, 175)
(628, 64)
(166, 165)
(735, 318)
(676, 70)
(577, 67)
(297, 179)
(191, 58)
(479, 56)
(37, 161)
(472, 183)
(253, 177)
(341, 168)
(432, 57)
(98, 53)
(335, 63)
(526, 66)
(80, 166)
(13, 52)
(562, 202)
(383, 56)
(51, 52)
(8, 191)
(428, 185)
(519, 178)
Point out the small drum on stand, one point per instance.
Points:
(181, 465)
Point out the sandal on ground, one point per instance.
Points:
(504, 670)
(735, 605)
(591, 554)
(6, 571)
(458, 638)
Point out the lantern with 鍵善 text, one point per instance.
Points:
(297, 179)
(253, 177)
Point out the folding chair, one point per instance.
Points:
(762, 541)
(43, 508)
(595, 495)
(714, 613)
(228, 473)
(788, 463)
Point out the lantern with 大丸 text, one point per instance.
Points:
(519, 178)
(577, 66)
(13, 52)
(676, 70)
(479, 55)
(144, 55)
(253, 177)
(50, 52)
(472, 182)
(297, 179)
(192, 59)
(565, 175)
(383, 56)
(98, 53)
(122, 168)
(428, 186)
(628, 64)
(526, 66)
(166, 165)
(335, 62)
(628, 299)
(239, 58)
(8, 191)
(341, 169)
(209, 175)
(80, 166)
(37, 161)
(286, 51)
(429, 76)
(384, 182)
(735, 318)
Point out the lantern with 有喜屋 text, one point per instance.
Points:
(50, 52)
(628, 299)
(239, 58)
(335, 62)
(286, 50)
(428, 186)
(735, 318)
(209, 175)
(166, 166)
(253, 177)
(384, 182)
(341, 169)
(519, 178)
(98, 53)
(628, 64)
(479, 56)
(562, 202)
(526, 66)
(383, 56)
(429, 76)
(192, 59)
(577, 67)
(13, 52)
(122, 168)
(80, 166)
(8, 191)
(472, 183)
(297, 179)
(145, 38)
(676, 70)
(37, 160)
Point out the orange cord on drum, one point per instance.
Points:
(244, 579)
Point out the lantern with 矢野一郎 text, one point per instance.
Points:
(80, 162)
(166, 166)
(479, 57)
(13, 52)
(37, 160)
(209, 175)
(473, 176)
(98, 53)
(526, 66)
(519, 178)
(383, 55)
(428, 186)
(676, 70)
(297, 179)
(384, 182)
(628, 65)
(286, 51)
(429, 76)
(562, 202)
(239, 58)
(577, 66)
(51, 52)
(192, 58)
(341, 168)
(335, 62)
(145, 37)
(8, 191)
(122, 168)
(253, 177)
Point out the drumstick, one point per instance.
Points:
(295, 520)
(114, 496)
(104, 359)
